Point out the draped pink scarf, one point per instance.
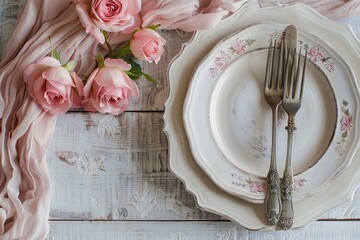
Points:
(26, 130)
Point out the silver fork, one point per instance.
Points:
(293, 89)
(273, 94)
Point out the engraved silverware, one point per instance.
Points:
(273, 94)
(293, 88)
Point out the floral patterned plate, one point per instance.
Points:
(228, 122)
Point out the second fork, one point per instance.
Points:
(292, 95)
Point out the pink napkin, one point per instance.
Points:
(26, 130)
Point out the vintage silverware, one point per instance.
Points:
(293, 88)
(273, 94)
(290, 41)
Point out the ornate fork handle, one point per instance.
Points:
(287, 213)
(272, 200)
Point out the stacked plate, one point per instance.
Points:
(219, 124)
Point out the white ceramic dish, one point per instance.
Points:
(228, 122)
(210, 197)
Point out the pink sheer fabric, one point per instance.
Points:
(188, 15)
(26, 130)
(335, 9)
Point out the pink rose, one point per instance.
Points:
(108, 15)
(256, 187)
(146, 44)
(346, 123)
(340, 149)
(109, 88)
(50, 84)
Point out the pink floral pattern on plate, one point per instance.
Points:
(257, 185)
(345, 127)
(222, 59)
(317, 55)
(276, 36)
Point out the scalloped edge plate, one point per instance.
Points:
(211, 198)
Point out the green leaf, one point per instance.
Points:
(325, 59)
(124, 50)
(154, 27)
(344, 135)
(55, 54)
(100, 60)
(70, 66)
(132, 75)
(135, 72)
(249, 41)
(149, 78)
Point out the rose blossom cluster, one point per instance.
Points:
(109, 88)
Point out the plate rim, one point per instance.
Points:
(239, 211)
(194, 140)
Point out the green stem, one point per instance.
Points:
(111, 51)
(110, 48)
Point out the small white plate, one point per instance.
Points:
(228, 121)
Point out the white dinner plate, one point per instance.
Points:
(208, 195)
(228, 121)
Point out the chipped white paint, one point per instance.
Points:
(95, 202)
(177, 206)
(174, 236)
(108, 127)
(284, 235)
(196, 230)
(225, 234)
(118, 213)
(86, 165)
(143, 201)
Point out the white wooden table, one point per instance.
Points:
(110, 176)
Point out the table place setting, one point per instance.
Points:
(231, 123)
(193, 119)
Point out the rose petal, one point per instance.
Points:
(49, 62)
(116, 16)
(118, 63)
(56, 88)
(33, 72)
(83, 11)
(89, 82)
(58, 74)
(79, 85)
(112, 77)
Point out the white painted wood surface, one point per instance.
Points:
(204, 230)
(110, 175)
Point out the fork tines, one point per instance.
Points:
(274, 72)
(293, 74)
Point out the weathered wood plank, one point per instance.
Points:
(9, 11)
(202, 230)
(113, 168)
(105, 167)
